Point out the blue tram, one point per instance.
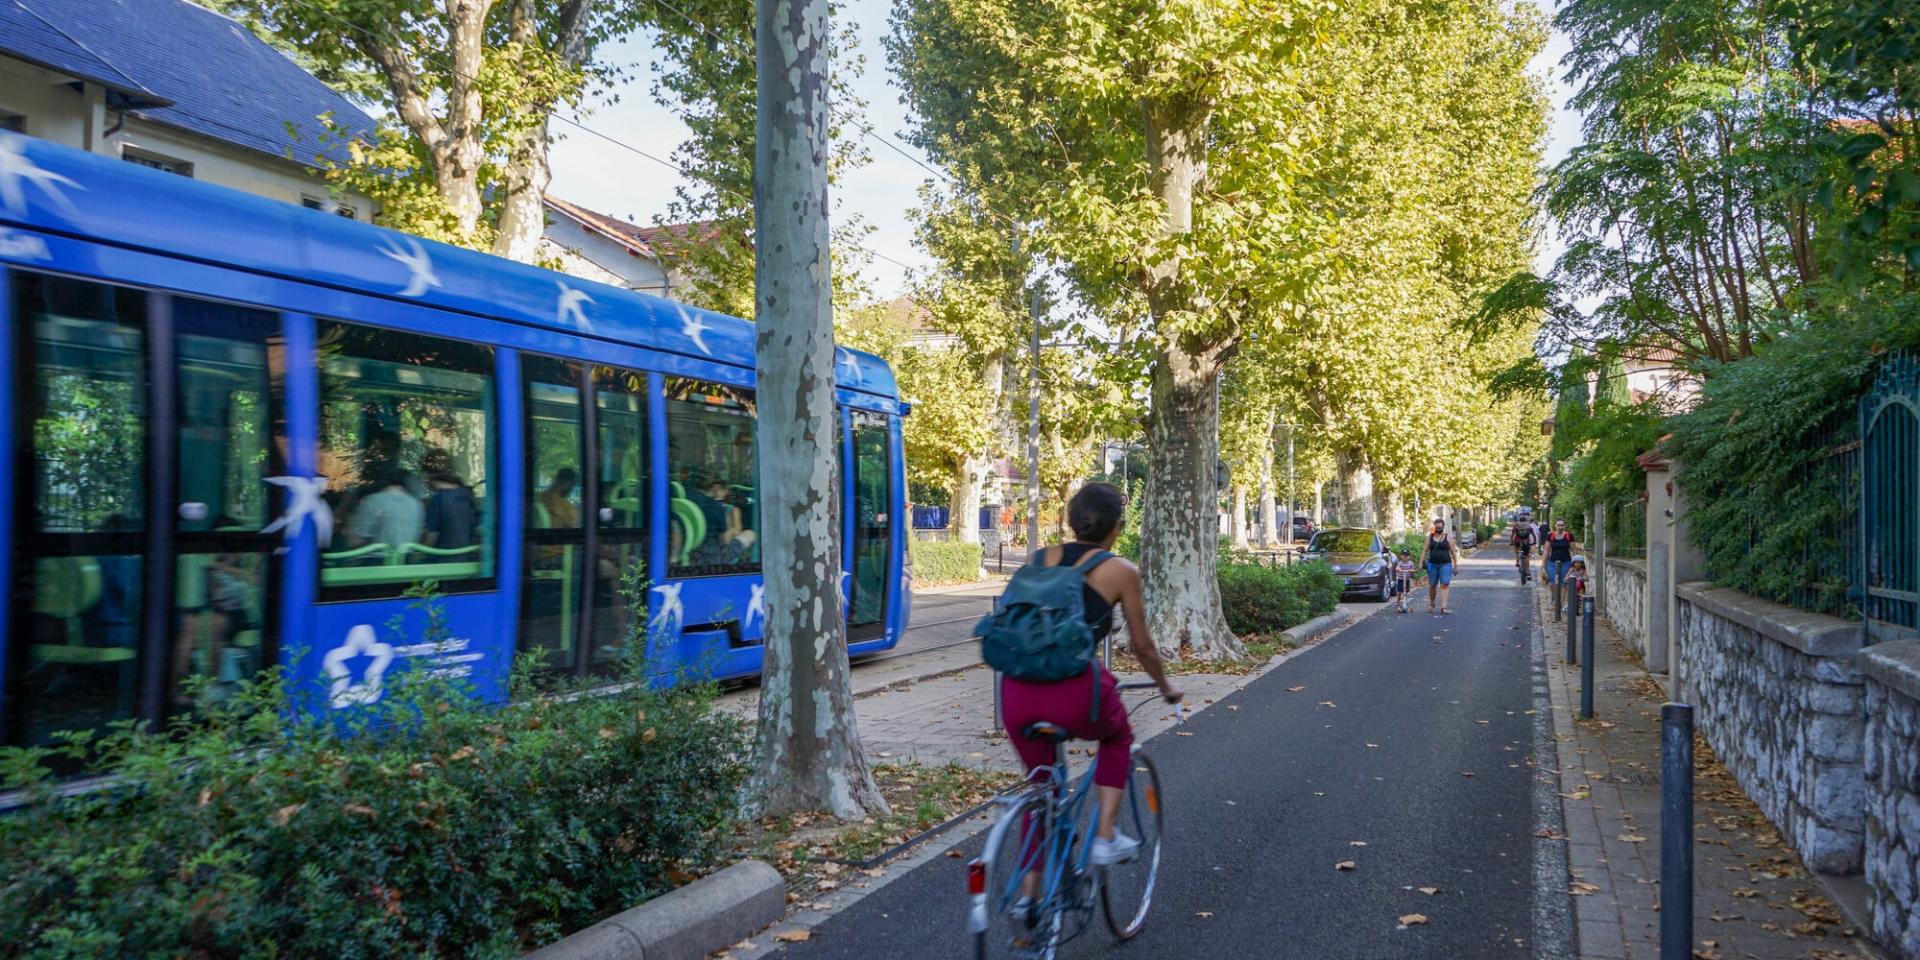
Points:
(241, 429)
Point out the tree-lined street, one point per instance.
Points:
(1409, 751)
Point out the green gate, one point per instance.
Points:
(1890, 499)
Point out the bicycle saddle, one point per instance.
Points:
(1042, 730)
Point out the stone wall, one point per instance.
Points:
(1892, 777)
(1776, 692)
(1625, 596)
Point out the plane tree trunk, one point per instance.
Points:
(1180, 539)
(809, 754)
(1356, 487)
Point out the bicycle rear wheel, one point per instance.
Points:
(1016, 846)
(1126, 889)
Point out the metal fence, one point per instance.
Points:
(1800, 546)
(1889, 527)
(1627, 529)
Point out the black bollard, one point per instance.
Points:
(1676, 832)
(1586, 659)
(1573, 625)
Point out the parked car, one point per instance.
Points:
(1468, 537)
(1361, 558)
(1302, 528)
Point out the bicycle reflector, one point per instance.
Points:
(976, 877)
(1153, 799)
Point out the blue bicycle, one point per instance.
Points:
(1034, 886)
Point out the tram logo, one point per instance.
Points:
(303, 501)
(851, 366)
(671, 611)
(407, 252)
(23, 246)
(572, 311)
(360, 642)
(17, 170)
(756, 606)
(693, 328)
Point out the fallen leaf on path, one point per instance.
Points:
(1429, 891)
(1345, 865)
(1631, 838)
(1295, 689)
(1327, 703)
(1413, 919)
(1183, 733)
(1549, 835)
(1356, 843)
(794, 936)
(956, 854)
(1581, 888)
(1203, 913)
(1372, 744)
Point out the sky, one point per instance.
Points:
(600, 174)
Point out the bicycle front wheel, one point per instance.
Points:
(1013, 863)
(1126, 889)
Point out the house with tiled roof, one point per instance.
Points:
(172, 85)
(599, 246)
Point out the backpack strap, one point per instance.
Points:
(1094, 559)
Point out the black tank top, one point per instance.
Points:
(1560, 547)
(1099, 612)
(1439, 549)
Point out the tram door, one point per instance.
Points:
(583, 586)
(872, 525)
(145, 426)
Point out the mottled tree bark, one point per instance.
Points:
(1392, 510)
(1180, 535)
(1356, 487)
(1239, 519)
(809, 748)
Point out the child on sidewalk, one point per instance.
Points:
(1403, 577)
(1577, 577)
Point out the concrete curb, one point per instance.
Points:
(1299, 634)
(712, 912)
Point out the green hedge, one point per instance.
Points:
(936, 561)
(1260, 599)
(434, 825)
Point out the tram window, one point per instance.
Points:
(81, 575)
(713, 480)
(406, 442)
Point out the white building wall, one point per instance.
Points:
(590, 255)
(79, 119)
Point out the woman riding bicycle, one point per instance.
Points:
(1096, 515)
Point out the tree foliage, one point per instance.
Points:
(472, 86)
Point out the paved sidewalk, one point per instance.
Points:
(1752, 897)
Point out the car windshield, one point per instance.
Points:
(1342, 541)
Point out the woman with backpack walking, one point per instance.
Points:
(1050, 672)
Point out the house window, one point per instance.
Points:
(157, 161)
(13, 122)
(326, 205)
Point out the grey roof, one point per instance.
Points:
(185, 66)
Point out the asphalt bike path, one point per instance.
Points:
(1405, 749)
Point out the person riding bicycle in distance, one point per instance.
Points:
(1089, 706)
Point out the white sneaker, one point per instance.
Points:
(1120, 849)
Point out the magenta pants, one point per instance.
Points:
(1064, 702)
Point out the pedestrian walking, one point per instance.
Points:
(1403, 577)
(1437, 556)
(1559, 558)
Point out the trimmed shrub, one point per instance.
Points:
(1259, 599)
(428, 825)
(936, 562)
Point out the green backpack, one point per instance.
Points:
(1039, 631)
